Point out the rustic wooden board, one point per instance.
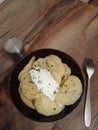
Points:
(70, 26)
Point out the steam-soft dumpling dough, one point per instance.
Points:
(67, 71)
(46, 107)
(70, 91)
(58, 68)
(26, 69)
(28, 102)
(28, 89)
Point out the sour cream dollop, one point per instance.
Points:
(44, 82)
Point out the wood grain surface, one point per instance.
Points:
(68, 25)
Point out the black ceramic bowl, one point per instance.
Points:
(14, 84)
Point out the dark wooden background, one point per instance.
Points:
(68, 25)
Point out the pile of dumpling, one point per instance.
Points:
(70, 86)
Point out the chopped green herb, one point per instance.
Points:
(51, 65)
(31, 82)
(54, 108)
(39, 81)
(54, 92)
(66, 86)
(34, 77)
(38, 70)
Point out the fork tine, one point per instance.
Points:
(92, 63)
(89, 62)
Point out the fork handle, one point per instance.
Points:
(87, 112)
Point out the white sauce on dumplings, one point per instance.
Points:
(44, 81)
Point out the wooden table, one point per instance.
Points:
(70, 26)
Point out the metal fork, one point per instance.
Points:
(90, 70)
(85, 1)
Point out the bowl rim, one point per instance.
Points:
(30, 55)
